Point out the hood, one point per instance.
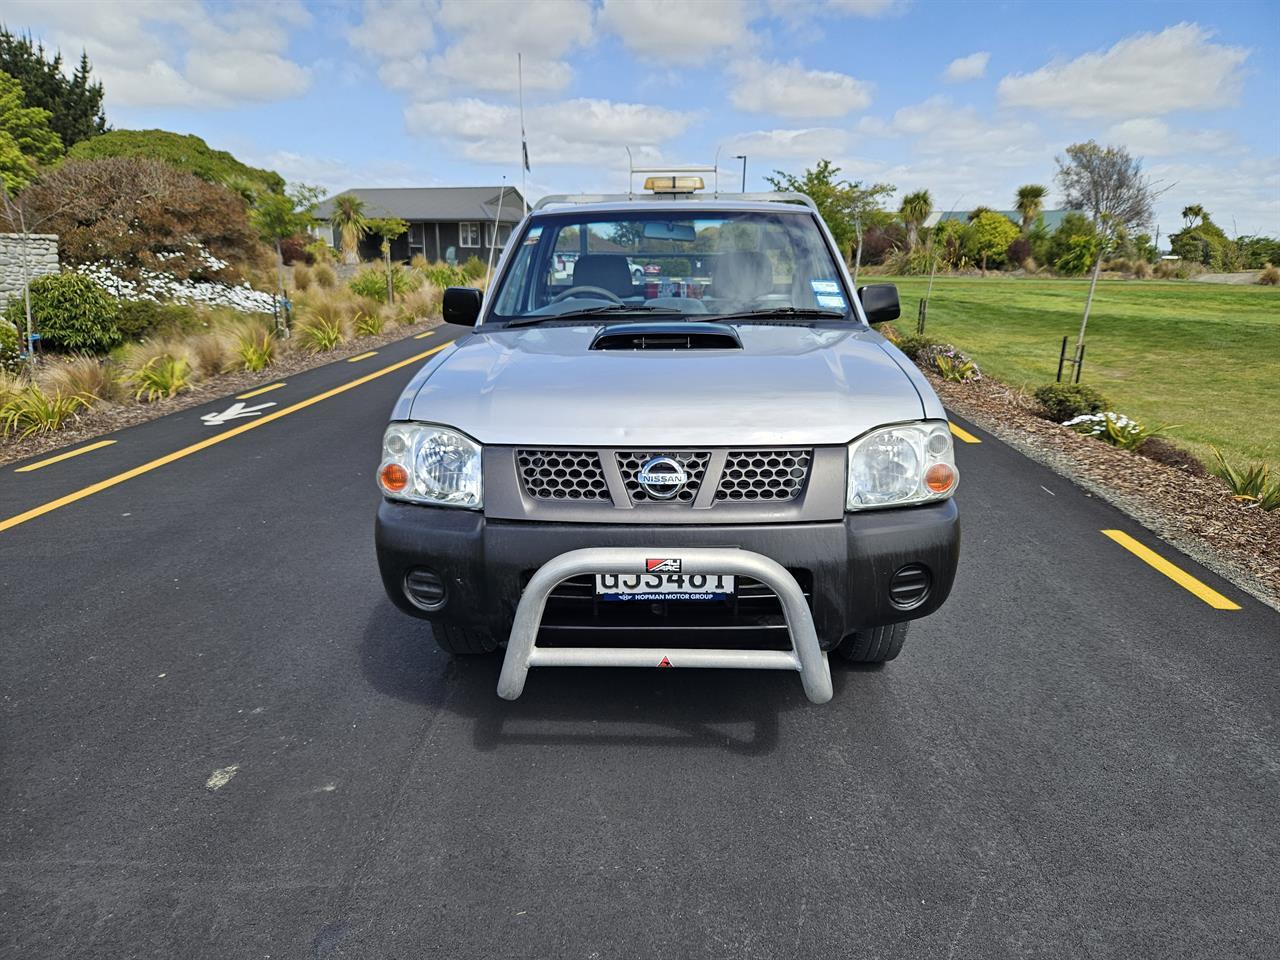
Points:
(788, 384)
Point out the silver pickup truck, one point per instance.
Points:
(716, 464)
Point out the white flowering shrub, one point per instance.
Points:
(162, 288)
(1115, 428)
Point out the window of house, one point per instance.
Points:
(504, 234)
(468, 234)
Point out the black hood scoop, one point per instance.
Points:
(671, 335)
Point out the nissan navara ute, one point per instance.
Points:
(713, 462)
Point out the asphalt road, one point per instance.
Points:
(218, 739)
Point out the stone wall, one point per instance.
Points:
(42, 259)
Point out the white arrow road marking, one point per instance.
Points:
(234, 412)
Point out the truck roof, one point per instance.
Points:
(690, 204)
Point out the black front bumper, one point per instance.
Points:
(848, 566)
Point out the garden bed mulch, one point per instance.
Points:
(106, 418)
(1197, 514)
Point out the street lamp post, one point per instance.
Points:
(743, 158)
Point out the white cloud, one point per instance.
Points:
(939, 127)
(394, 30)
(789, 90)
(805, 144)
(1151, 136)
(1143, 75)
(471, 46)
(868, 8)
(967, 68)
(581, 132)
(183, 53)
(335, 175)
(678, 31)
(1244, 197)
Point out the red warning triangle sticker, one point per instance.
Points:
(664, 662)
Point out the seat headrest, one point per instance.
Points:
(744, 275)
(607, 270)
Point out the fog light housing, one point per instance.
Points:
(424, 589)
(909, 587)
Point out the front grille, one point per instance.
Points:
(763, 475)
(695, 465)
(562, 474)
(752, 619)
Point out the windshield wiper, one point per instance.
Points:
(799, 313)
(610, 308)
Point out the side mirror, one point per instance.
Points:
(462, 305)
(880, 302)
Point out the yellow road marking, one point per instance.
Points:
(1179, 576)
(362, 356)
(254, 393)
(204, 444)
(64, 456)
(961, 434)
(423, 336)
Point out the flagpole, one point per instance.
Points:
(524, 146)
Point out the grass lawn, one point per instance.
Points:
(1202, 356)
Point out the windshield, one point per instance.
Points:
(714, 266)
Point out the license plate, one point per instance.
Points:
(663, 586)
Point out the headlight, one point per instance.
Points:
(912, 463)
(424, 463)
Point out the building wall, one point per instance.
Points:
(42, 259)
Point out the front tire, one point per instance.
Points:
(877, 645)
(463, 641)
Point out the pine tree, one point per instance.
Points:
(74, 103)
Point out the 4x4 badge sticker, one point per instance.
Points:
(669, 565)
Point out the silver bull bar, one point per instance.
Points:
(804, 656)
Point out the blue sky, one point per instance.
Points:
(967, 99)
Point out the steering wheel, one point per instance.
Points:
(594, 291)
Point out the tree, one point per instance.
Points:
(144, 215)
(186, 152)
(990, 234)
(1193, 213)
(915, 209)
(388, 228)
(1110, 186)
(26, 139)
(280, 215)
(351, 223)
(1029, 203)
(74, 103)
(847, 206)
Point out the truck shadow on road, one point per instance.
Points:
(732, 710)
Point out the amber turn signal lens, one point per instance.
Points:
(940, 478)
(394, 477)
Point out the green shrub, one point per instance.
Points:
(442, 275)
(370, 324)
(136, 319)
(475, 268)
(955, 367)
(320, 333)
(1079, 257)
(372, 283)
(257, 349)
(70, 312)
(1064, 401)
(34, 411)
(914, 346)
(10, 347)
(160, 377)
(1253, 484)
